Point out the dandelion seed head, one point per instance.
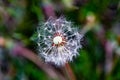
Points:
(58, 42)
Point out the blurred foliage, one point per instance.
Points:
(19, 20)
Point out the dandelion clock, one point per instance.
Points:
(58, 42)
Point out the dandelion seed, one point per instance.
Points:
(58, 41)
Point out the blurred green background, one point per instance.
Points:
(99, 57)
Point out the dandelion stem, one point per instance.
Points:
(69, 72)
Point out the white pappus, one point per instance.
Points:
(58, 41)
